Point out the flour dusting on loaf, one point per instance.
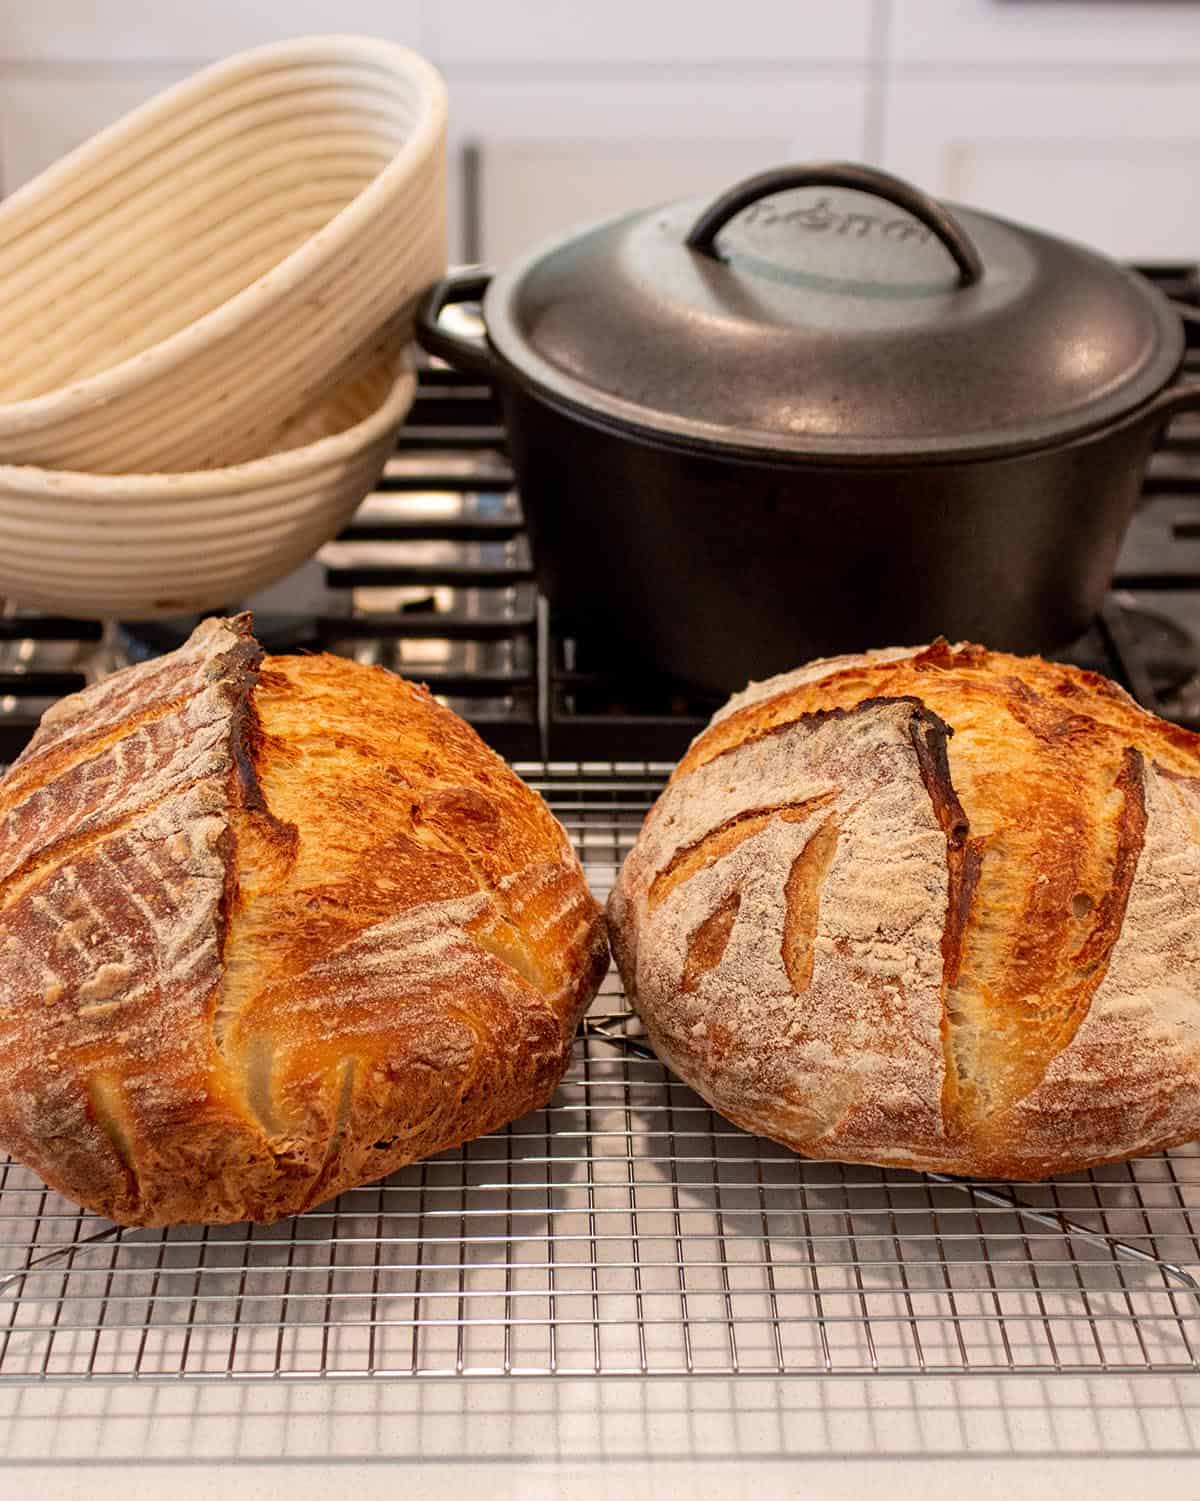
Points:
(934, 907)
(271, 928)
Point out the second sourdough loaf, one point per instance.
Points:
(937, 908)
(270, 929)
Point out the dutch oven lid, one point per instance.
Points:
(833, 310)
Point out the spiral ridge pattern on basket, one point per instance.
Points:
(145, 545)
(181, 285)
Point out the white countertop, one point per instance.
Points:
(977, 1438)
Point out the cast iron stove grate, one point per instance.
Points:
(625, 1229)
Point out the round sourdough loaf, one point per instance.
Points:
(270, 929)
(937, 908)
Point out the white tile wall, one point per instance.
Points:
(624, 32)
(1045, 33)
(114, 31)
(814, 112)
(1082, 116)
(555, 152)
(531, 190)
(47, 112)
(1114, 162)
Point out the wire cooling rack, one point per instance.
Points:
(623, 1230)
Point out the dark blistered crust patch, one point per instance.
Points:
(939, 654)
(964, 855)
(930, 736)
(237, 672)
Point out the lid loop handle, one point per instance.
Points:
(921, 206)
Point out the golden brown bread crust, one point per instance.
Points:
(938, 908)
(271, 929)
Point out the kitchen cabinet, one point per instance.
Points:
(1078, 116)
(553, 154)
(124, 31)
(1037, 34)
(555, 32)
(1113, 161)
(528, 191)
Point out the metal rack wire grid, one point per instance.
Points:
(624, 1230)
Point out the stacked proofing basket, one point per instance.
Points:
(212, 299)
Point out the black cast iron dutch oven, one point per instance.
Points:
(820, 414)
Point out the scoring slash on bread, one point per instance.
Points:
(934, 908)
(270, 929)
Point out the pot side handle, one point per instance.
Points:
(1176, 399)
(921, 206)
(462, 351)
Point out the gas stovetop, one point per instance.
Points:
(624, 1229)
(432, 578)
